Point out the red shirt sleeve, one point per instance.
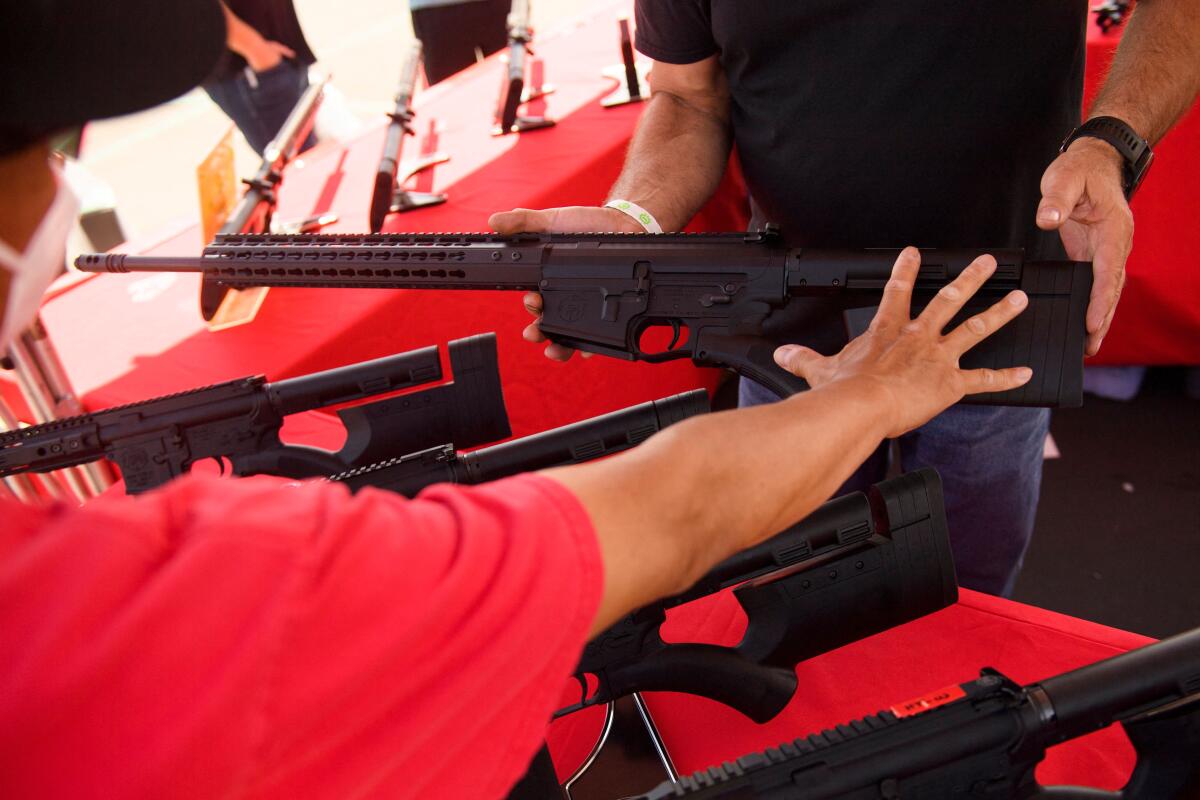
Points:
(270, 639)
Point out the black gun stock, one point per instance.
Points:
(581, 441)
(255, 210)
(730, 293)
(238, 421)
(857, 566)
(985, 739)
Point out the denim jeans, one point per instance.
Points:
(990, 460)
(259, 102)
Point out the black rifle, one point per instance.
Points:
(727, 297)
(856, 566)
(513, 92)
(581, 441)
(239, 421)
(255, 211)
(985, 738)
(387, 196)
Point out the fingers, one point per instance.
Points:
(976, 381)
(1062, 187)
(521, 220)
(533, 303)
(897, 294)
(798, 360)
(285, 50)
(950, 298)
(556, 352)
(1108, 270)
(984, 324)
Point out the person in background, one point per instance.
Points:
(457, 33)
(264, 69)
(266, 638)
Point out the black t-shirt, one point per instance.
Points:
(884, 123)
(275, 20)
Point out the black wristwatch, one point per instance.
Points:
(1134, 150)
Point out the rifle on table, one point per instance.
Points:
(239, 421)
(985, 738)
(388, 194)
(571, 444)
(726, 297)
(256, 209)
(513, 91)
(856, 566)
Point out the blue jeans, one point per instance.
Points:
(259, 102)
(990, 460)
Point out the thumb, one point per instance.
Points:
(520, 220)
(1062, 187)
(797, 359)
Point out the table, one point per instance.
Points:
(125, 338)
(944, 648)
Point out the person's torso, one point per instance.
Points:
(865, 123)
(276, 20)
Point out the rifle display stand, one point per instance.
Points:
(629, 757)
(404, 200)
(630, 73)
(536, 90)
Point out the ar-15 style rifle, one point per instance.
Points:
(513, 90)
(256, 209)
(856, 566)
(727, 297)
(570, 444)
(985, 738)
(239, 421)
(388, 195)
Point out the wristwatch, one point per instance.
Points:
(1134, 150)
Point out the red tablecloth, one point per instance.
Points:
(945, 648)
(125, 338)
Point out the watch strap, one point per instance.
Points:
(1133, 149)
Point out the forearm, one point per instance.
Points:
(711, 486)
(239, 37)
(1155, 74)
(675, 161)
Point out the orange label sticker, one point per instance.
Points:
(928, 702)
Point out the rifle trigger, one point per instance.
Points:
(675, 337)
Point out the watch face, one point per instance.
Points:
(1139, 172)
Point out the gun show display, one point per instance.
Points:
(725, 297)
(571, 444)
(239, 421)
(388, 194)
(985, 738)
(255, 212)
(517, 88)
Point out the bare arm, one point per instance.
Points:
(668, 511)
(1154, 80)
(1155, 74)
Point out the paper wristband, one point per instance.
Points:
(644, 217)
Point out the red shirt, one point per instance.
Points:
(262, 638)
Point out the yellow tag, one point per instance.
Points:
(217, 180)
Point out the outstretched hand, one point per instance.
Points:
(571, 219)
(911, 359)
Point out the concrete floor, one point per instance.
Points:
(149, 159)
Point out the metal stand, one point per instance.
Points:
(404, 200)
(536, 90)
(630, 73)
(48, 391)
(629, 757)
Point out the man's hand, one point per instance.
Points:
(1083, 198)
(910, 360)
(572, 219)
(266, 54)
